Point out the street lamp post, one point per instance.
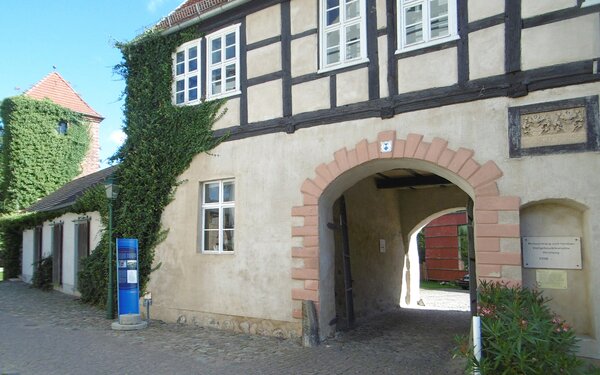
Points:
(111, 194)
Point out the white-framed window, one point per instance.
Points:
(218, 217)
(343, 33)
(422, 23)
(587, 3)
(186, 72)
(223, 75)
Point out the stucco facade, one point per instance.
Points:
(301, 136)
(70, 223)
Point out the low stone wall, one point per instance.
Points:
(239, 324)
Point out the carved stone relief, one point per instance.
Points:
(560, 127)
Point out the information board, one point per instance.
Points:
(127, 276)
(552, 252)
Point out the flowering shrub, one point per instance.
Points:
(520, 335)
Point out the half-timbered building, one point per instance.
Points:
(352, 123)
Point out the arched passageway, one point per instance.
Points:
(496, 217)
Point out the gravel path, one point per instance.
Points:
(51, 333)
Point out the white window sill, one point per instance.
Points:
(195, 102)
(434, 42)
(344, 65)
(225, 95)
(206, 252)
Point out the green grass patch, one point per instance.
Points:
(432, 285)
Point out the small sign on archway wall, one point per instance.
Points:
(552, 252)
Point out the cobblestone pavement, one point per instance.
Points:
(51, 333)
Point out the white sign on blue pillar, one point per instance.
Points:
(127, 276)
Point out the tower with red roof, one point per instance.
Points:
(56, 89)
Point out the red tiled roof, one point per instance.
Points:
(55, 88)
(188, 10)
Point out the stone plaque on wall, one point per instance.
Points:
(552, 252)
(554, 127)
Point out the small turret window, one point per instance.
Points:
(62, 127)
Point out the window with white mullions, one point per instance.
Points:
(223, 64)
(423, 23)
(343, 28)
(187, 73)
(218, 216)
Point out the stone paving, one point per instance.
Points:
(51, 333)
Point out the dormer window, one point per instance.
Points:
(342, 33)
(422, 23)
(186, 72)
(62, 127)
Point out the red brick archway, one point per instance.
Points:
(496, 221)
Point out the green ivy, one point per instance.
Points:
(161, 141)
(37, 159)
(42, 274)
(13, 225)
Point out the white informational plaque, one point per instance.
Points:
(552, 252)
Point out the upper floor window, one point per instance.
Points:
(186, 69)
(218, 206)
(423, 23)
(342, 33)
(223, 62)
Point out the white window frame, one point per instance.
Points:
(341, 26)
(220, 205)
(187, 74)
(427, 39)
(589, 3)
(223, 63)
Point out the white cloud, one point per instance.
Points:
(118, 137)
(154, 4)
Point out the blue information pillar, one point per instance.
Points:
(128, 276)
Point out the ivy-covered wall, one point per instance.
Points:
(37, 158)
(161, 141)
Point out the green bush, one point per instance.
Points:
(521, 335)
(42, 275)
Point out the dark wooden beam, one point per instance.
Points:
(409, 182)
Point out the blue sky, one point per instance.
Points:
(76, 36)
